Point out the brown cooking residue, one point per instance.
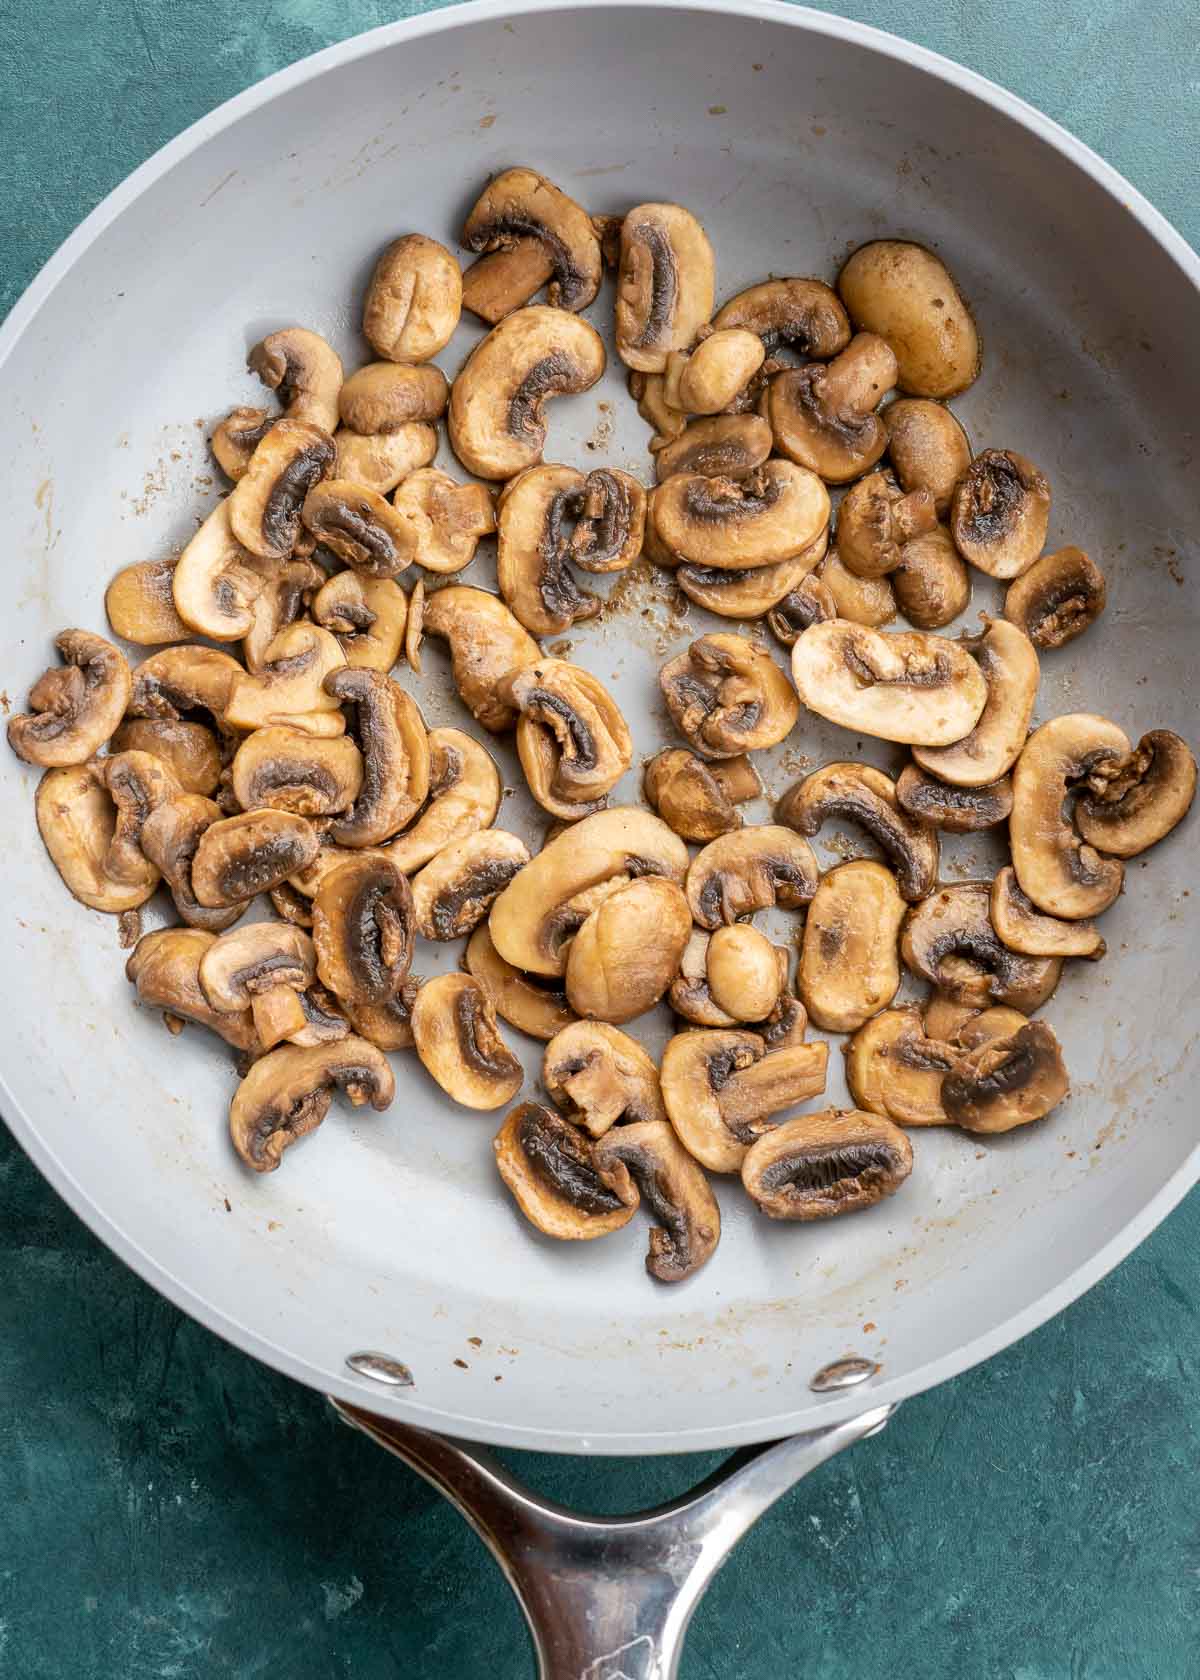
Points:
(462, 1364)
(868, 1327)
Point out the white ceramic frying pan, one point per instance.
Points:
(795, 137)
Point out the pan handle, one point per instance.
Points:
(609, 1598)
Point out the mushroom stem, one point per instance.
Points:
(278, 1013)
(777, 1081)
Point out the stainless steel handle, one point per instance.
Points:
(610, 1598)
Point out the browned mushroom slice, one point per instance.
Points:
(1007, 1082)
(611, 522)
(949, 940)
(959, 810)
(904, 686)
(877, 520)
(363, 528)
(324, 1022)
(797, 314)
(1063, 874)
(907, 295)
(599, 1076)
(573, 742)
(383, 396)
(627, 952)
(395, 750)
(237, 437)
(464, 796)
(1000, 513)
(550, 1169)
(1057, 598)
(413, 301)
(931, 584)
(536, 1007)
(849, 969)
(752, 869)
(856, 793)
(869, 601)
(164, 966)
(289, 690)
(540, 910)
(140, 604)
(287, 1094)
(721, 1090)
(184, 679)
(454, 1029)
(303, 371)
(820, 1165)
(927, 447)
(384, 460)
(1009, 664)
(689, 994)
(692, 796)
(292, 771)
(75, 707)
(364, 925)
(711, 377)
(721, 446)
(248, 854)
(1021, 926)
(823, 415)
(279, 602)
(727, 697)
(77, 820)
(190, 749)
(288, 904)
(676, 1193)
(449, 517)
(453, 893)
(368, 615)
(137, 783)
(521, 204)
(264, 509)
(170, 835)
(263, 967)
(780, 510)
(787, 1023)
(648, 390)
(811, 602)
(665, 284)
(496, 421)
(533, 548)
(749, 592)
(893, 1068)
(387, 1025)
(215, 584)
(506, 279)
(486, 644)
(1133, 804)
(743, 972)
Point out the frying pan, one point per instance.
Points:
(795, 136)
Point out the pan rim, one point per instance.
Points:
(829, 1410)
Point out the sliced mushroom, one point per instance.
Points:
(189, 749)
(627, 952)
(215, 585)
(324, 1022)
(676, 1193)
(823, 415)
(289, 690)
(506, 279)
(664, 286)
(364, 925)
(894, 1069)
(797, 314)
(752, 869)
(958, 810)
(248, 854)
(689, 993)
(949, 940)
(280, 601)
(743, 972)
(753, 591)
(486, 644)
(496, 422)
(877, 521)
(464, 797)
(368, 615)
(869, 601)
(264, 509)
(573, 742)
(414, 630)
(931, 584)
(387, 1025)
(820, 1165)
(287, 1094)
(946, 1018)
(709, 378)
(722, 446)
(454, 892)
(395, 750)
(137, 783)
(611, 522)
(170, 835)
(75, 707)
(1007, 1082)
(263, 967)
(450, 518)
(811, 602)
(1009, 664)
(521, 204)
(649, 391)
(904, 686)
(693, 796)
(1134, 804)
(383, 396)
(928, 448)
(777, 512)
(851, 792)
(184, 679)
(1023, 927)
(413, 301)
(164, 966)
(534, 1006)
(849, 969)
(292, 771)
(454, 1029)
(363, 528)
(289, 905)
(1000, 513)
(141, 606)
(728, 697)
(534, 546)
(384, 460)
(787, 1023)
(237, 437)
(549, 1167)
(599, 1077)
(304, 372)
(1057, 598)
(537, 913)
(722, 1089)
(77, 820)
(908, 296)
(1062, 873)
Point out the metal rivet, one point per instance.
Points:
(843, 1373)
(382, 1368)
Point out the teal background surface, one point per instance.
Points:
(170, 1510)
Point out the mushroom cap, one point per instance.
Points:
(627, 952)
(383, 460)
(303, 370)
(820, 1165)
(869, 601)
(184, 679)
(241, 856)
(948, 939)
(383, 396)
(927, 447)
(138, 783)
(535, 1007)
(75, 708)
(280, 601)
(849, 968)
(728, 697)
(292, 771)
(254, 958)
(1000, 513)
(777, 512)
(77, 820)
(851, 792)
(287, 1093)
(664, 285)
(931, 584)
(364, 926)
(676, 1193)
(534, 546)
(170, 835)
(1007, 1082)
(1010, 668)
(413, 300)
(743, 972)
(453, 893)
(264, 509)
(959, 810)
(720, 367)
(140, 604)
(719, 446)
(805, 315)
(367, 614)
(1024, 928)
(237, 437)
(395, 749)
(599, 1076)
(450, 518)
(549, 1167)
(521, 204)
(572, 740)
(290, 688)
(1061, 873)
(823, 416)
(495, 419)
(688, 796)
(908, 296)
(721, 1089)
(486, 644)
(457, 1040)
(894, 1069)
(689, 994)
(387, 1025)
(215, 583)
(876, 522)
(749, 592)
(164, 966)
(1136, 804)
(1057, 598)
(752, 869)
(906, 686)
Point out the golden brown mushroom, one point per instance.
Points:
(797, 314)
(877, 521)
(141, 606)
(164, 967)
(676, 1193)
(599, 1077)
(1007, 1082)
(722, 1089)
(1062, 873)
(454, 1029)
(289, 689)
(248, 854)
(448, 517)
(927, 447)
(453, 893)
(906, 686)
(749, 870)
(573, 742)
(823, 415)
(627, 952)
(959, 810)
(521, 204)
(908, 296)
(292, 771)
(851, 792)
(535, 1006)
(849, 969)
(1009, 664)
(720, 446)
(368, 615)
(304, 372)
(363, 528)
(75, 707)
(395, 751)
(264, 509)
(820, 1165)
(287, 1093)
(486, 645)
(949, 940)
(1057, 598)
(263, 967)
(413, 301)
(699, 800)
(382, 460)
(777, 512)
(215, 583)
(170, 835)
(1021, 926)
(1000, 513)
(383, 396)
(664, 286)
(534, 546)
(237, 437)
(549, 1166)
(1131, 805)
(727, 697)
(364, 926)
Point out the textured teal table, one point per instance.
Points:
(171, 1511)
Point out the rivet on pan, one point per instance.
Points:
(843, 1373)
(381, 1368)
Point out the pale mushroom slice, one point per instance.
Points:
(189, 749)
(728, 697)
(572, 739)
(600, 1077)
(534, 547)
(931, 584)
(959, 810)
(385, 459)
(495, 419)
(743, 972)
(949, 940)
(1057, 598)
(851, 792)
(722, 1090)
(1130, 805)
(676, 1192)
(459, 1045)
(876, 522)
(627, 952)
(281, 600)
(798, 314)
(368, 615)
(1000, 513)
(77, 820)
(453, 893)
(364, 927)
(363, 528)
(164, 968)
(823, 417)
(292, 771)
(264, 509)
(395, 751)
(248, 854)
(752, 869)
(549, 1167)
(749, 592)
(699, 799)
(170, 835)
(140, 605)
(775, 513)
(506, 279)
(487, 643)
(540, 911)
(1010, 668)
(290, 688)
(710, 378)
(893, 1068)
(721, 446)
(1007, 1082)
(304, 372)
(521, 204)
(383, 396)
(215, 584)
(1021, 926)
(1061, 873)
(849, 968)
(450, 518)
(907, 686)
(287, 1094)
(536, 1007)
(235, 439)
(611, 521)
(263, 967)
(75, 707)
(820, 1165)
(664, 285)
(413, 299)
(905, 293)
(927, 447)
